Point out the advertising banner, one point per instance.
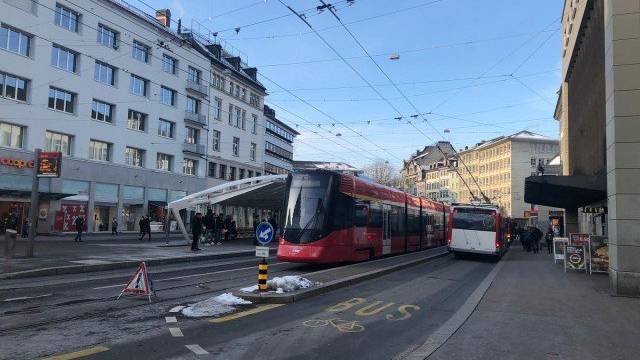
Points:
(579, 239)
(559, 244)
(599, 250)
(49, 164)
(574, 258)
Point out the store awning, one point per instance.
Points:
(27, 194)
(566, 192)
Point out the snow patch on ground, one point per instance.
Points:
(214, 306)
(176, 309)
(283, 284)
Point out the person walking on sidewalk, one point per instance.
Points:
(79, 223)
(210, 226)
(114, 226)
(145, 227)
(219, 226)
(25, 229)
(549, 239)
(196, 231)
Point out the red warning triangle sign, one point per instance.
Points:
(139, 283)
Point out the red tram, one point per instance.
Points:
(331, 218)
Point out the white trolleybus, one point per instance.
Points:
(478, 229)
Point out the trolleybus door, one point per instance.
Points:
(386, 230)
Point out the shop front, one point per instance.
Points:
(105, 206)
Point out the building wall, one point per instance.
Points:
(622, 74)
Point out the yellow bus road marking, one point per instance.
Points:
(79, 354)
(242, 314)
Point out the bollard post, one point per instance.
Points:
(10, 237)
(262, 275)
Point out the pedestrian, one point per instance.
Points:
(219, 227)
(141, 227)
(196, 231)
(114, 226)
(210, 226)
(233, 230)
(79, 223)
(536, 237)
(145, 227)
(227, 227)
(549, 239)
(25, 228)
(274, 224)
(526, 239)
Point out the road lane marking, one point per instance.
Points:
(189, 276)
(197, 349)
(446, 330)
(340, 324)
(78, 354)
(242, 314)
(176, 332)
(170, 319)
(26, 297)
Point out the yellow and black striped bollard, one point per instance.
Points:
(262, 275)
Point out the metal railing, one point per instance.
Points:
(193, 148)
(196, 118)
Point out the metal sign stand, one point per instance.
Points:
(264, 235)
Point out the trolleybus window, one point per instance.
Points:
(474, 219)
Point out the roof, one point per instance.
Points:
(523, 135)
(430, 153)
(324, 165)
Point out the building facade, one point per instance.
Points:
(278, 144)
(414, 170)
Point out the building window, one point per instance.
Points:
(231, 87)
(232, 173)
(164, 162)
(134, 157)
(13, 87)
(166, 128)
(254, 123)
(249, 173)
(277, 151)
(236, 117)
(140, 52)
(223, 171)
(243, 94)
(14, 40)
(57, 142)
(193, 75)
(138, 85)
(244, 119)
(237, 91)
(104, 73)
(279, 131)
(99, 150)
(107, 37)
(230, 114)
(218, 81)
(274, 170)
(254, 100)
(192, 136)
(66, 18)
(102, 111)
(168, 64)
(61, 100)
(252, 152)
(63, 59)
(193, 105)
(240, 174)
(11, 135)
(212, 170)
(190, 167)
(216, 140)
(236, 146)
(136, 120)
(533, 162)
(258, 174)
(167, 96)
(217, 108)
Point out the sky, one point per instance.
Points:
(470, 70)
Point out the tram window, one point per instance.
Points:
(342, 213)
(361, 214)
(375, 215)
(396, 218)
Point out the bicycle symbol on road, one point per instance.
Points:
(341, 325)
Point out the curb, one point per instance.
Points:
(78, 269)
(333, 285)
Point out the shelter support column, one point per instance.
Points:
(622, 78)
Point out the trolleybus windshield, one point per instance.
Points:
(474, 219)
(307, 204)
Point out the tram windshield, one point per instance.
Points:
(307, 204)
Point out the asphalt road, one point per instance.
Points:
(378, 319)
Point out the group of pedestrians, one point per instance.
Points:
(530, 237)
(145, 227)
(214, 227)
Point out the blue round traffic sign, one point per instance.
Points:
(264, 233)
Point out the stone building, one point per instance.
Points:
(413, 172)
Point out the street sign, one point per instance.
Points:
(139, 283)
(264, 233)
(49, 164)
(262, 251)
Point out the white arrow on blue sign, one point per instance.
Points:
(264, 233)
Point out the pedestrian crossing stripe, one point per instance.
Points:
(139, 283)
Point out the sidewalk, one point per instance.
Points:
(533, 310)
(100, 252)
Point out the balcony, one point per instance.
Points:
(199, 89)
(193, 148)
(196, 118)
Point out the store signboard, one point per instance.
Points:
(574, 258)
(599, 252)
(559, 243)
(49, 164)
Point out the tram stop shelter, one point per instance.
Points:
(257, 192)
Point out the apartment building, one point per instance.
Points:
(278, 146)
(499, 167)
(441, 180)
(413, 172)
(143, 111)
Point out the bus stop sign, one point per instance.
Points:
(264, 233)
